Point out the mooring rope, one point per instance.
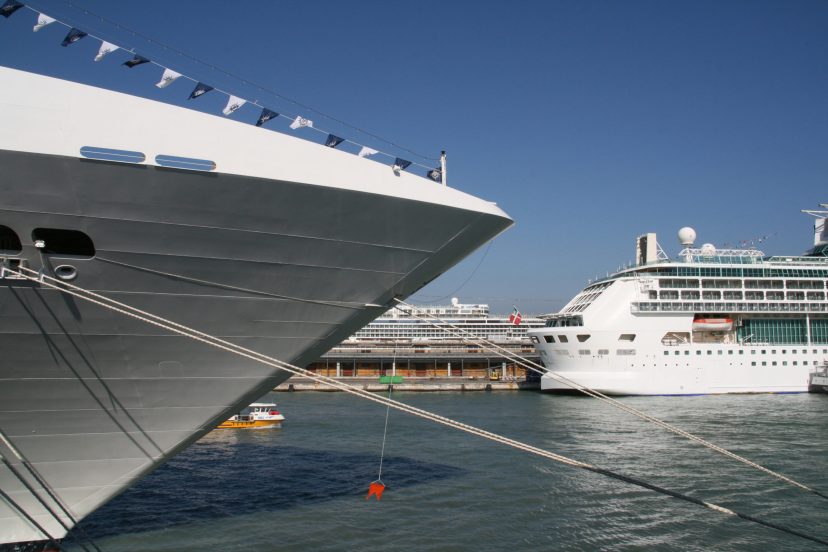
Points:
(535, 367)
(49, 491)
(218, 343)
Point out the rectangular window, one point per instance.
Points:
(753, 363)
(630, 337)
(549, 338)
(583, 352)
(603, 351)
(563, 339)
(730, 351)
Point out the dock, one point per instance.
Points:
(444, 366)
(432, 384)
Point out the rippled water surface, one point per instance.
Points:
(302, 487)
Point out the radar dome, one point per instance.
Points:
(708, 250)
(687, 236)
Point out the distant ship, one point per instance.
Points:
(441, 323)
(275, 243)
(711, 321)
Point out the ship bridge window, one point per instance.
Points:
(626, 337)
(582, 337)
(57, 241)
(187, 163)
(563, 339)
(9, 241)
(108, 154)
(549, 338)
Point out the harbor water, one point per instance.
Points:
(303, 486)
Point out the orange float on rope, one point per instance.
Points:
(375, 488)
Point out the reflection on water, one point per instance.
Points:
(303, 486)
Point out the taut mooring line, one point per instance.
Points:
(185, 331)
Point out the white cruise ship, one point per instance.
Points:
(261, 238)
(441, 323)
(710, 321)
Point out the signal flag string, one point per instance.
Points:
(116, 306)
(535, 367)
(254, 102)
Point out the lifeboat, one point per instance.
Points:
(711, 324)
(255, 416)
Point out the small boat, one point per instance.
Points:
(712, 324)
(257, 415)
(818, 379)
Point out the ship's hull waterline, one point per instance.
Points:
(94, 400)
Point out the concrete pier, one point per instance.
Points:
(435, 366)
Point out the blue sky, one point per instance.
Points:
(589, 122)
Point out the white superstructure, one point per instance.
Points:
(711, 321)
(441, 323)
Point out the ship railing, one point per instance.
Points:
(637, 307)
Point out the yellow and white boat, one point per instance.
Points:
(257, 415)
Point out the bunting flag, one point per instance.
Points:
(266, 116)
(42, 21)
(233, 104)
(400, 164)
(106, 48)
(200, 90)
(167, 78)
(515, 317)
(11, 6)
(366, 151)
(333, 141)
(73, 36)
(300, 121)
(435, 174)
(137, 60)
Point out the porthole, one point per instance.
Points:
(67, 273)
(9, 241)
(57, 241)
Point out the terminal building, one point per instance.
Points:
(434, 342)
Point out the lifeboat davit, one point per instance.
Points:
(710, 324)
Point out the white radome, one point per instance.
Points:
(686, 236)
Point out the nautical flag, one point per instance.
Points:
(168, 77)
(435, 174)
(333, 141)
(10, 7)
(73, 36)
(137, 60)
(400, 164)
(200, 90)
(366, 151)
(515, 317)
(301, 122)
(106, 48)
(42, 21)
(233, 104)
(266, 116)
(375, 488)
